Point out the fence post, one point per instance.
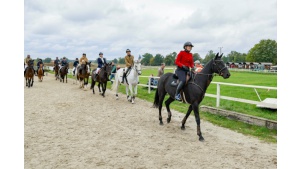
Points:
(218, 95)
(149, 85)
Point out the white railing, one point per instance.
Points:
(218, 95)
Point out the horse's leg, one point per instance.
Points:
(99, 87)
(167, 103)
(197, 117)
(103, 85)
(32, 81)
(67, 78)
(186, 117)
(26, 79)
(161, 99)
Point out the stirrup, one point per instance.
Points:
(174, 83)
(178, 97)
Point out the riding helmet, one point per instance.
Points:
(187, 44)
(64, 57)
(128, 50)
(83, 54)
(100, 53)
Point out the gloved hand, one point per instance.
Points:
(185, 67)
(193, 69)
(129, 67)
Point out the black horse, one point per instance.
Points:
(64, 73)
(101, 78)
(192, 93)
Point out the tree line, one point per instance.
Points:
(264, 51)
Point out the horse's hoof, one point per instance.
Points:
(201, 139)
(182, 127)
(161, 123)
(168, 120)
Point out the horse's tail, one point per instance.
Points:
(156, 99)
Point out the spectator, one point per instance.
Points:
(198, 66)
(161, 70)
(113, 71)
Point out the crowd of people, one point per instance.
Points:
(184, 62)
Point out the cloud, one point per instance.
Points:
(71, 27)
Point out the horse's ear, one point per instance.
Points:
(221, 55)
(217, 55)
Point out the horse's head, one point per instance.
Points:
(138, 67)
(219, 67)
(30, 62)
(108, 68)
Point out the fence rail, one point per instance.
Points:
(217, 96)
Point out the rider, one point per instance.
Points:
(129, 60)
(101, 61)
(84, 60)
(38, 65)
(183, 61)
(26, 60)
(63, 63)
(75, 64)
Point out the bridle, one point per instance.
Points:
(212, 75)
(137, 71)
(218, 68)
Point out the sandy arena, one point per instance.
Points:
(66, 127)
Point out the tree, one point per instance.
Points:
(264, 51)
(236, 57)
(47, 60)
(158, 59)
(209, 56)
(170, 59)
(121, 60)
(196, 56)
(146, 59)
(115, 60)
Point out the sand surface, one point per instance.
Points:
(67, 127)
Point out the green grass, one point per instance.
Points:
(259, 79)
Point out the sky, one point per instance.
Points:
(71, 27)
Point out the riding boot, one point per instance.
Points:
(179, 87)
(124, 74)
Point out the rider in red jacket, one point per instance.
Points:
(184, 62)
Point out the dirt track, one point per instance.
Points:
(66, 127)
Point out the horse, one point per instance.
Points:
(64, 73)
(56, 68)
(101, 78)
(29, 74)
(82, 74)
(40, 72)
(193, 91)
(130, 82)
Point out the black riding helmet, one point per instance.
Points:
(83, 54)
(100, 53)
(128, 50)
(187, 44)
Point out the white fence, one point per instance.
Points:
(218, 95)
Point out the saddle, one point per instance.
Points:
(175, 80)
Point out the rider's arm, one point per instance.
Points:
(178, 60)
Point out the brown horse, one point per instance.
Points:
(64, 73)
(40, 72)
(29, 74)
(102, 78)
(82, 75)
(56, 68)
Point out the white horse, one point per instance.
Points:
(132, 79)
